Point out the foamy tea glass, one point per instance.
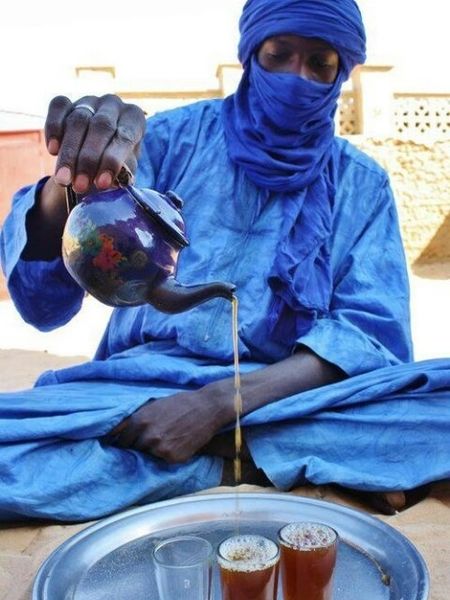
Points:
(308, 558)
(183, 568)
(248, 567)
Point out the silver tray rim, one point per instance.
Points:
(49, 566)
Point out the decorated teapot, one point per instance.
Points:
(121, 245)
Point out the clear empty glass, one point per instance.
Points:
(183, 568)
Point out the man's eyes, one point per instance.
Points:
(279, 57)
(317, 63)
(321, 63)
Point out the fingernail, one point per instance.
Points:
(53, 146)
(81, 183)
(104, 180)
(63, 176)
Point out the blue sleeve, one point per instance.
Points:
(43, 292)
(368, 325)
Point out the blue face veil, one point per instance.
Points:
(280, 129)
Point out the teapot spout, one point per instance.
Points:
(170, 296)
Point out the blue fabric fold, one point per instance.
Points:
(387, 429)
(55, 461)
(301, 275)
(279, 129)
(290, 151)
(408, 380)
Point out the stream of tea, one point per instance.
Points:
(237, 403)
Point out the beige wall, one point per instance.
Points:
(420, 177)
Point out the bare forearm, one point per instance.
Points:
(302, 371)
(45, 224)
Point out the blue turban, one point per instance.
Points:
(279, 129)
(338, 22)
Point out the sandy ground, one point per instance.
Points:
(25, 353)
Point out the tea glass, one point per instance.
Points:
(248, 567)
(308, 557)
(183, 567)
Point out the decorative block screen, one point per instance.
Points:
(417, 115)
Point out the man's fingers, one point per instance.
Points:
(93, 138)
(76, 125)
(54, 127)
(126, 438)
(118, 428)
(102, 128)
(123, 146)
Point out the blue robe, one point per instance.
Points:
(386, 427)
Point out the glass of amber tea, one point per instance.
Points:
(308, 557)
(248, 567)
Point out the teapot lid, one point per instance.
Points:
(163, 208)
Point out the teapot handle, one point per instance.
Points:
(71, 198)
(124, 177)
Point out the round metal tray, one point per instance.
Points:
(111, 560)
